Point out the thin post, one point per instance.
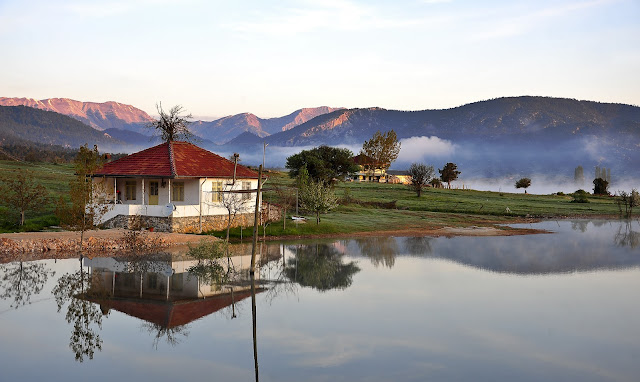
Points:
(255, 224)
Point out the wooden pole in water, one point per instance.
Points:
(255, 224)
(252, 272)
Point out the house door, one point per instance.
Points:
(153, 193)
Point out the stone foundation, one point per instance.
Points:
(191, 224)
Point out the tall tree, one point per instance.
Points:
(449, 173)
(323, 163)
(382, 149)
(600, 187)
(22, 193)
(172, 126)
(87, 196)
(420, 176)
(523, 183)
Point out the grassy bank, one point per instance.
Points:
(366, 207)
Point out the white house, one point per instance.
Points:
(176, 187)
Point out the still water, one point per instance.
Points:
(561, 306)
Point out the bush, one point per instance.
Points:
(580, 196)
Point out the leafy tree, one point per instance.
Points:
(382, 149)
(173, 125)
(320, 267)
(323, 163)
(435, 182)
(449, 173)
(22, 193)
(420, 176)
(87, 196)
(318, 197)
(523, 183)
(600, 187)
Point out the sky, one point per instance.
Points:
(218, 58)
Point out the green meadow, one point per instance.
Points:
(364, 207)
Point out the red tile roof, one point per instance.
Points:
(174, 160)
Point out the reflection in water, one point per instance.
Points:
(320, 267)
(626, 236)
(73, 288)
(578, 246)
(381, 250)
(22, 280)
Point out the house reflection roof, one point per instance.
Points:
(169, 314)
(174, 160)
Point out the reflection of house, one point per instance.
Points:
(176, 187)
(162, 292)
(396, 176)
(368, 171)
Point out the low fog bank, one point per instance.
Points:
(541, 184)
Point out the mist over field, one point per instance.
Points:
(494, 165)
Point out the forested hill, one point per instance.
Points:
(21, 123)
(540, 118)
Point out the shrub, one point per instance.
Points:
(580, 196)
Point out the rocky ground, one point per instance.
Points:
(38, 245)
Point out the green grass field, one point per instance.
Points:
(54, 177)
(436, 208)
(363, 209)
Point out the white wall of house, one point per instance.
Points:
(199, 198)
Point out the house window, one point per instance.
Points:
(130, 189)
(216, 189)
(246, 186)
(177, 192)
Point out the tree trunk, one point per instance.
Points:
(22, 217)
(317, 217)
(284, 219)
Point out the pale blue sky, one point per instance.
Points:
(272, 57)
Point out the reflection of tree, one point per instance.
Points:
(381, 250)
(21, 280)
(320, 267)
(628, 237)
(579, 225)
(72, 289)
(171, 335)
(418, 246)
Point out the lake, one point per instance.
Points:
(561, 306)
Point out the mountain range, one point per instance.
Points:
(511, 135)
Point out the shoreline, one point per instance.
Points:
(26, 246)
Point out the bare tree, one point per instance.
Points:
(235, 202)
(173, 125)
(420, 176)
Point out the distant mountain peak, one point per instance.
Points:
(99, 115)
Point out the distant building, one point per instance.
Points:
(397, 176)
(175, 187)
(367, 172)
